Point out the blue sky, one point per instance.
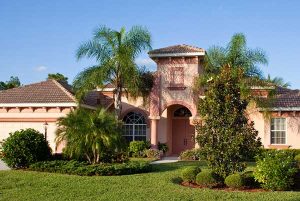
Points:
(41, 37)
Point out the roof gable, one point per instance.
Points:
(49, 91)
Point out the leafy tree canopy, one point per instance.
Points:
(57, 77)
(227, 138)
(11, 83)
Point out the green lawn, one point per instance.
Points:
(158, 185)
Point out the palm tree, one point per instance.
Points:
(237, 55)
(115, 52)
(278, 81)
(89, 133)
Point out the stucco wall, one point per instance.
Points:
(16, 119)
(262, 125)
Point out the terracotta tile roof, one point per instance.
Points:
(286, 98)
(177, 49)
(49, 91)
(97, 98)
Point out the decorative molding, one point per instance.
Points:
(28, 119)
(186, 54)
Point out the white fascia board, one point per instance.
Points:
(178, 54)
(38, 105)
(277, 109)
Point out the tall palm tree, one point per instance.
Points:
(89, 133)
(237, 55)
(115, 52)
(278, 81)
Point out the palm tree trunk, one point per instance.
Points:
(117, 101)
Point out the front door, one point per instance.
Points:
(182, 135)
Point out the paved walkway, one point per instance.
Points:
(3, 166)
(166, 160)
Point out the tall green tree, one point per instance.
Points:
(11, 83)
(89, 134)
(115, 52)
(226, 138)
(57, 77)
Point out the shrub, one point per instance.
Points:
(208, 178)
(152, 153)
(24, 147)
(190, 155)
(137, 148)
(249, 180)
(163, 147)
(85, 169)
(275, 170)
(297, 159)
(235, 181)
(189, 174)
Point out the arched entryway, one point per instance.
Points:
(182, 130)
(176, 129)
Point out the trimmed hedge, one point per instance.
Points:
(208, 178)
(85, 169)
(236, 181)
(189, 174)
(24, 147)
(137, 148)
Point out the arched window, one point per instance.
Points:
(182, 112)
(134, 126)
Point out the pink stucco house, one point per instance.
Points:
(169, 116)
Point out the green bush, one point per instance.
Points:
(85, 169)
(249, 180)
(189, 174)
(137, 148)
(236, 181)
(24, 147)
(152, 153)
(190, 155)
(275, 170)
(208, 178)
(297, 159)
(163, 147)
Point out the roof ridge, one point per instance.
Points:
(64, 89)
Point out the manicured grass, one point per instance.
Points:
(158, 185)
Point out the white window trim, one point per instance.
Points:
(285, 130)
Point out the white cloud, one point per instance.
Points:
(40, 68)
(145, 62)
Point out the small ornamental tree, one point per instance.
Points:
(226, 138)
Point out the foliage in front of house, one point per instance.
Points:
(86, 169)
(226, 139)
(90, 135)
(189, 174)
(276, 170)
(190, 155)
(24, 147)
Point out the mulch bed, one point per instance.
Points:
(192, 185)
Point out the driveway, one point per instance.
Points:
(3, 166)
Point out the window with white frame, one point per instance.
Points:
(278, 131)
(134, 127)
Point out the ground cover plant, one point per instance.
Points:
(162, 184)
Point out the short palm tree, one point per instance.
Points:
(115, 52)
(89, 133)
